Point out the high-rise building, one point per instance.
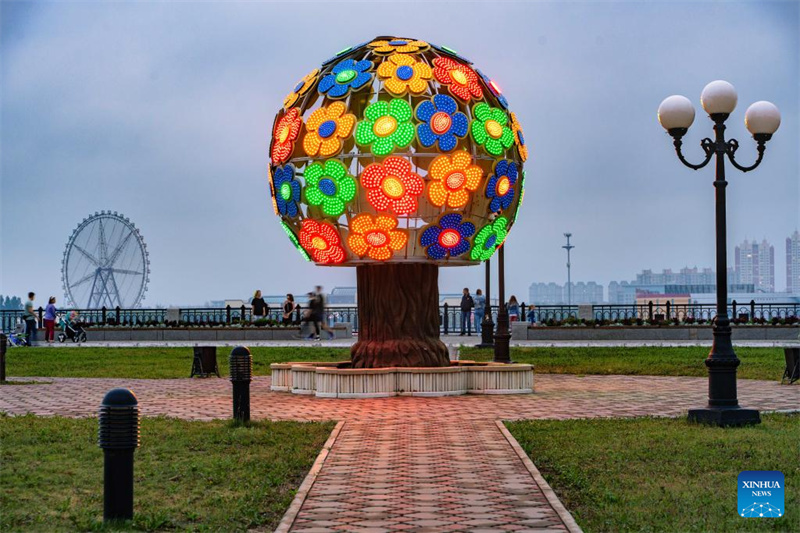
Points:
(755, 263)
(793, 263)
(686, 281)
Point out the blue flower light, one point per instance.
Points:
(346, 75)
(500, 186)
(441, 121)
(287, 190)
(447, 238)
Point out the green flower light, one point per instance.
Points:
(386, 126)
(488, 239)
(489, 129)
(293, 238)
(329, 185)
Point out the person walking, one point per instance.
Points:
(467, 303)
(532, 314)
(29, 316)
(260, 307)
(289, 307)
(322, 313)
(480, 309)
(50, 320)
(513, 309)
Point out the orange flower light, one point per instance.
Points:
(322, 242)
(461, 80)
(399, 45)
(284, 135)
(452, 178)
(519, 138)
(375, 237)
(402, 73)
(392, 186)
(326, 129)
(300, 89)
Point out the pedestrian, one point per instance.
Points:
(480, 309)
(50, 320)
(532, 314)
(513, 309)
(260, 307)
(29, 316)
(322, 313)
(289, 307)
(467, 303)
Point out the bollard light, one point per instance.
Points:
(241, 365)
(118, 436)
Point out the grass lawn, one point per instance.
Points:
(202, 476)
(147, 362)
(757, 363)
(650, 474)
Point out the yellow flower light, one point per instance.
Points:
(402, 73)
(300, 89)
(452, 178)
(376, 237)
(399, 45)
(326, 129)
(519, 138)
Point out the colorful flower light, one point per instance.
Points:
(461, 80)
(392, 186)
(287, 190)
(399, 45)
(452, 178)
(488, 239)
(519, 138)
(386, 126)
(322, 242)
(489, 129)
(441, 122)
(293, 238)
(326, 129)
(500, 187)
(330, 186)
(346, 75)
(375, 237)
(301, 88)
(448, 237)
(284, 134)
(402, 73)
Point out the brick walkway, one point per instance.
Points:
(411, 464)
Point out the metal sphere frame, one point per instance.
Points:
(105, 263)
(312, 93)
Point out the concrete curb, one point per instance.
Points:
(569, 522)
(297, 503)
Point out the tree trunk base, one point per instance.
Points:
(398, 314)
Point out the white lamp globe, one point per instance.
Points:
(762, 118)
(719, 97)
(676, 111)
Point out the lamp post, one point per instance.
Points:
(487, 325)
(762, 119)
(569, 247)
(501, 337)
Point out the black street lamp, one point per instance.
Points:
(502, 336)
(676, 114)
(487, 325)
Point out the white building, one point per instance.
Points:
(793, 263)
(755, 263)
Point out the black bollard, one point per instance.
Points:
(118, 436)
(241, 363)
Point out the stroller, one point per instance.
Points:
(71, 329)
(17, 337)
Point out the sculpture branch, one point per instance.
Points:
(733, 145)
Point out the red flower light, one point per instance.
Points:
(461, 80)
(392, 186)
(284, 135)
(322, 241)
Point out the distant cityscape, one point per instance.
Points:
(751, 278)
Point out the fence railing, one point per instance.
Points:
(449, 316)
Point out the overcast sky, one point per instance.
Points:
(162, 111)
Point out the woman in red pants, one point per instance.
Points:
(50, 320)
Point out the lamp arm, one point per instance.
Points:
(733, 145)
(707, 145)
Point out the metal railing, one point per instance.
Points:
(449, 316)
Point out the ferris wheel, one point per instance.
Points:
(105, 263)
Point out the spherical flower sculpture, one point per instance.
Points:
(397, 156)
